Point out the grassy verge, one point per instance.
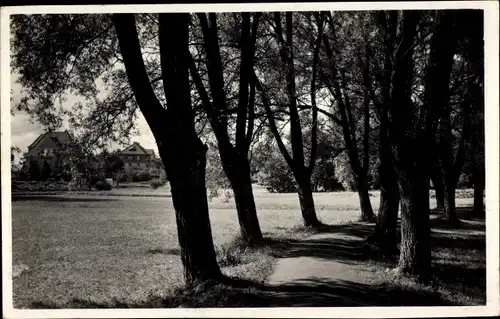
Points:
(250, 265)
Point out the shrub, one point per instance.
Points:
(34, 170)
(103, 186)
(120, 177)
(46, 171)
(277, 178)
(323, 178)
(163, 176)
(141, 176)
(95, 179)
(155, 184)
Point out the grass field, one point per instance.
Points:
(101, 248)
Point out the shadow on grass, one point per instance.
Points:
(349, 248)
(240, 293)
(170, 251)
(463, 212)
(50, 198)
(462, 275)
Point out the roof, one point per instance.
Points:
(60, 138)
(136, 148)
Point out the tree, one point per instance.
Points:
(181, 151)
(46, 171)
(296, 160)
(113, 164)
(385, 232)
(410, 144)
(474, 53)
(74, 51)
(465, 91)
(33, 170)
(233, 156)
(335, 79)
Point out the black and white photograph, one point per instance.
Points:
(289, 159)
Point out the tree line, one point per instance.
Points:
(396, 93)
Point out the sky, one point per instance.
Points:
(24, 131)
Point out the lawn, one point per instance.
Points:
(105, 247)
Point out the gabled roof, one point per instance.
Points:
(136, 148)
(60, 138)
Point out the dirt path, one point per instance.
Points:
(336, 268)
(323, 257)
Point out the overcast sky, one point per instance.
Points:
(24, 132)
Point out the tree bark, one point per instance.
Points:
(189, 196)
(301, 172)
(182, 152)
(415, 251)
(233, 157)
(385, 232)
(479, 183)
(346, 122)
(437, 182)
(449, 202)
(364, 201)
(241, 183)
(307, 201)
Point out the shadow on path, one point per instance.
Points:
(321, 292)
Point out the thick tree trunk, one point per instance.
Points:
(415, 251)
(450, 211)
(182, 152)
(437, 182)
(187, 181)
(364, 201)
(241, 184)
(479, 183)
(385, 232)
(307, 201)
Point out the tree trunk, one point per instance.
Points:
(385, 232)
(479, 183)
(364, 201)
(450, 211)
(437, 182)
(307, 201)
(241, 183)
(415, 251)
(182, 152)
(187, 182)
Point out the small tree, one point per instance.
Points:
(46, 171)
(33, 170)
(113, 165)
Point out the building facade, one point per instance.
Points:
(47, 148)
(137, 158)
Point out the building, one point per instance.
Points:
(47, 148)
(137, 158)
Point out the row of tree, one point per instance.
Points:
(400, 89)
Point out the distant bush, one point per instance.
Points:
(33, 170)
(323, 178)
(277, 178)
(156, 183)
(120, 177)
(103, 186)
(95, 179)
(141, 176)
